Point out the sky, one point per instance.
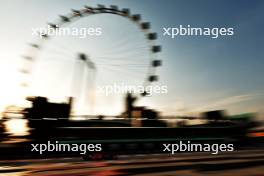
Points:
(201, 73)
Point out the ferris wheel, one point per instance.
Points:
(126, 52)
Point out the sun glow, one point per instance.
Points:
(16, 127)
(10, 91)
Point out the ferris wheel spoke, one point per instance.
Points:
(116, 45)
(122, 63)
(63, 47)
(119, 70)
(129, 54)
(134, 70)
(124, 41)
(128, 57)
(60, 53)
(140, 66)
(124, 72)
(127, 50)
(139, 56)
(124, 45)
(123, 59)
(59, 49)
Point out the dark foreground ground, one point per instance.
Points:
(242, 163)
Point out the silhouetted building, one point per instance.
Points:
(143, 112)
(214, 115)
(41, 108)
(129, 103)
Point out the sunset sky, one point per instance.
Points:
(201, 73)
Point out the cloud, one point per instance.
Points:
(227, 101)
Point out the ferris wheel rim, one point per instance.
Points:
(75, 15)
